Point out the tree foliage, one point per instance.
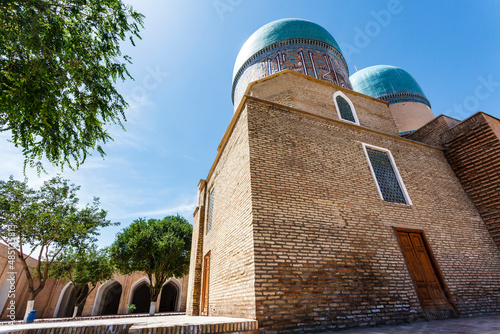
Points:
(45, 222)
(85, 268)
(59, 61)
(160, 248)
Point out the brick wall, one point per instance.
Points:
(315, 96)
(473, 149)
(195, 267)
(44, 301)
(231, 279)
(431, 132)
(302, 241)
(326, 255)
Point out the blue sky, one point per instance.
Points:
(180, 101)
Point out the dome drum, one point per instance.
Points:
(404, 96)
(289, 44)
(316, 60)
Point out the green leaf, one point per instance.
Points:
(57, 76)
(159, 248)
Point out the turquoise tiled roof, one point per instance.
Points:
(280, 30)
(388, 83)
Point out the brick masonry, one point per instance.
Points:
(473, 149)
(296, 200)
(115, 329)
(231, 285)
(316, 97)
(249, 327)
(431, 132)
(195, 275)
(244, 327)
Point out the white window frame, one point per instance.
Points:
(353, 110)
(394, 168)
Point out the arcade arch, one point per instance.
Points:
(170, 296)
(107, 298)
(140, 296)
(64, 308)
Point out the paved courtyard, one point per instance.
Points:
(477, 325)
(139, 324)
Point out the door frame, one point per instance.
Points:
(434, 263)
(205, 284)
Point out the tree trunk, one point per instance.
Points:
(154, 297)
(80, 297)
(29, 308)
(152, 308)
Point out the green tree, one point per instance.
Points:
(59, 61)
(85, 268)
(160, 248)
(43, 223)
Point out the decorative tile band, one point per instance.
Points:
(310, 57)
(404, 96)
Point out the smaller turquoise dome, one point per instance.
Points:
(388, 83)
(280, 30)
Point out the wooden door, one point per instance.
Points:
(428, 283)
(204, 291)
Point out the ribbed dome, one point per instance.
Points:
(388, 83)
(281, 30)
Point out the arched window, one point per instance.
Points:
(345, 108)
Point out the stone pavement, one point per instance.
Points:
(186, 324)
(178, 324)
(477, 325)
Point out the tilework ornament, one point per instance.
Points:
(404, 96)
(315, 61)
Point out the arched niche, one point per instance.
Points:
(107, 298)
(64, 308)
(140, 296)
(170, 296)
(65, 303)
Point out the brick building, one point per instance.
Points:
(338, 202)
(109, 298)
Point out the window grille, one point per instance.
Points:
(345, 110)
(210, 209)
(387, 180)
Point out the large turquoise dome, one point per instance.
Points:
(281, 30)
(289, 44)
(388, 83)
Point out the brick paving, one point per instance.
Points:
(189, 324)
(182, 324)
(475, 325)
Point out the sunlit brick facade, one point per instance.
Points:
(301, 237)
